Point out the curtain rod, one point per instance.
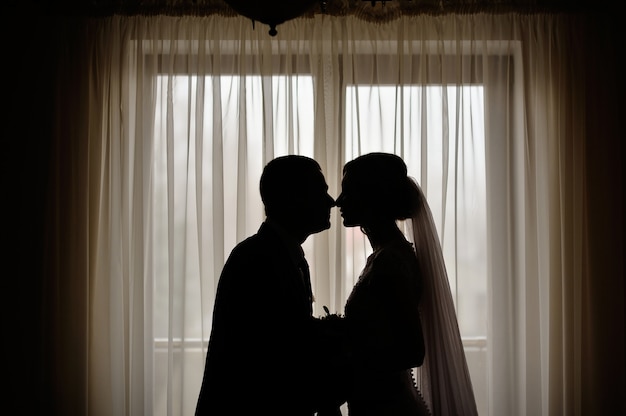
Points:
(373, 10)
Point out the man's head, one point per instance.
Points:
(295, 194)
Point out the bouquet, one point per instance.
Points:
(334, 352)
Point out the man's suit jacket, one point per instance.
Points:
(261, 357)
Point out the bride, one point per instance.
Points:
(400, 314)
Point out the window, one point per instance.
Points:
(210, 136)
(374, 111)
(181, 195)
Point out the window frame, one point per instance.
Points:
(502, 197)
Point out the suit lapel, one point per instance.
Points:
(306, 281)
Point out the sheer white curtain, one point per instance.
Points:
(181, 115)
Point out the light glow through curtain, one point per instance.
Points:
(183, 114)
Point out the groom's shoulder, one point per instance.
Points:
(260, 242)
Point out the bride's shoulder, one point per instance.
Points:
(394, 257)
(395, 250)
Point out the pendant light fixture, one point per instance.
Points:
(271, 12)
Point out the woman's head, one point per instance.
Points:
(376, 188)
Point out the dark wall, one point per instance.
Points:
(604, 315)
(27, 132)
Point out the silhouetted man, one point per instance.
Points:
(264, 355)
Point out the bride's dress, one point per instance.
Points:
(386, 335)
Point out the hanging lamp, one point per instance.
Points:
(271, 12)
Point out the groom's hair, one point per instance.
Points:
(284, 181)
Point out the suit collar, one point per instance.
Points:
(291, 245)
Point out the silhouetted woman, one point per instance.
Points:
(400, 313)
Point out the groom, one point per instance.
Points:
(267, 354)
